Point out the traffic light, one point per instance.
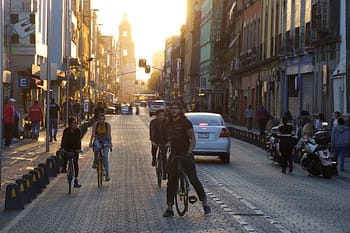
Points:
(148, 69)
(142, 63)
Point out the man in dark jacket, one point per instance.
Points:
(53, 123)
(158, 135)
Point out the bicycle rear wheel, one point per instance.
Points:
(99, 172)
(181, 196)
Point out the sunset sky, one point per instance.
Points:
(152, 21)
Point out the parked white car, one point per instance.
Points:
(212, 136)
(156, 105)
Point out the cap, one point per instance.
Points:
(12, 100)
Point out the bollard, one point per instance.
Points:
(56, 163)
(46, 177)
(50, 165)
(42, 180)
(35, 181)
(23, 191)
(13, 199)
(29, 186)
(59, 155)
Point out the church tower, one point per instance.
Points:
(127, 62)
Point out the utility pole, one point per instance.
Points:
(48, 75)
(1, 85)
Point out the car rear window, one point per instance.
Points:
(158, 103)
(205, 120)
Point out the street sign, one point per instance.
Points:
(23, 82)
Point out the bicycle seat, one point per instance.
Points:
(69, 154)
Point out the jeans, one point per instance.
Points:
(97, 145)
(35, 128)
(8, 132)
(339, 153)
(53, 123)
(190, 169)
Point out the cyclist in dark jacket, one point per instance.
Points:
(157, 133)
(71, 141)
(182, 141)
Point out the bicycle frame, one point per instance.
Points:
(100, 163)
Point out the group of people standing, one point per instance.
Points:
(304, 127)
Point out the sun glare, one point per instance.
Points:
(151, 21)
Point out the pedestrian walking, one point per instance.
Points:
(53, 121)
(8, 117)
(248, 115)
(286, 144)
(340, 140)
(301, 121)
(182, 141)
(262, 116)
(76, 110)
(35, 116)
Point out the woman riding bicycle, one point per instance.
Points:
(101, 135)
(71, 142)
(182, 141)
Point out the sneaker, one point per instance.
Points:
(168, 213)
(76, 184)
(207, 209)
(63, 170)
(94, 164)
(107, 177)
(154, 162)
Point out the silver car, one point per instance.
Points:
(212, 136)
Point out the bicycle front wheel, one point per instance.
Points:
(181, 196)
(159, 171)
(99, 172)
(70, 178)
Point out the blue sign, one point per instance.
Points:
(23, 82)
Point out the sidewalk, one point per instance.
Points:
(251, 135)
(24, 156)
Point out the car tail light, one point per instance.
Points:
(224, 133)
(203, 124)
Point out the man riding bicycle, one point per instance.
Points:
(182, 141)
(71, 142)
(101, 135)
(158, 137)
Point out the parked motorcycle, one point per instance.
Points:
(272, 145)
(316, 155)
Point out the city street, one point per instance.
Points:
(248, 195)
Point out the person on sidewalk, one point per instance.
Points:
(8, 119)
(248, 115)
(262, 116)
(182, 141)
(101, 135)
(157, 131)
(340, 139)
(35, 115)
(53, 123)
(71, 142)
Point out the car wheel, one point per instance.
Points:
(225, 158)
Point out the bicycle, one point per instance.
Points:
(100, 163)
(182, 197)
(70, 155)
(161, 159)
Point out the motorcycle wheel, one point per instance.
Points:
(327, 172)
